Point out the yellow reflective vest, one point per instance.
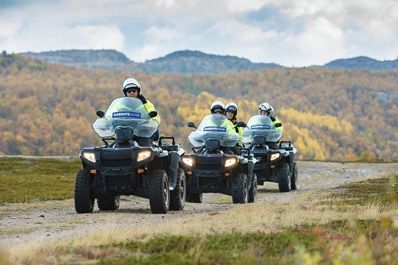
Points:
(149, 107)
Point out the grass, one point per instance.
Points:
(27, 180)
(15, 230)
(359, 236)
(309, 230)
(337, 242)
(341, 241)
(380, 191)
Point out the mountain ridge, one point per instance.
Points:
(363, 63)
(189, 61)
(185, 61)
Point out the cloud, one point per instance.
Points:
(96, 37)
(282, 31)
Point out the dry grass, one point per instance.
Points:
(311, 207)
(15, 230)
(258, 217)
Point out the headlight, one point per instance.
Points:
(187, 161)
(143, 155)
(275, 156)
(89, 157)
(230, 162)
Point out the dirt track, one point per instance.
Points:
(39, 221)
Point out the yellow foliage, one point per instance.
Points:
(327, 121)
(47, 100)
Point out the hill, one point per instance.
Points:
(48, 109)
(176, 62)
(199, 62)
(362, 63)
(91, 59)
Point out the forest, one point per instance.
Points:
(338, 115)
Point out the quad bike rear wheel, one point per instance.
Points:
(177, 196)
(108, 202)
(295, 177)
(253, 189)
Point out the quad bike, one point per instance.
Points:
(123, 167)
(216, 164)
(275, 163)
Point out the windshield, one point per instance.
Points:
(261, 125)
(214, 126)
(126, 111)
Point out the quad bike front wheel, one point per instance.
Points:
(159, 193)
(84, 193)
(284, 175)
(240, 188)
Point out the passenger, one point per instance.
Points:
(132, 88)
(231, 110)
(266, 109)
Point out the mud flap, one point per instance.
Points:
(172, 170)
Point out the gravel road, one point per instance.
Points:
(38, 221)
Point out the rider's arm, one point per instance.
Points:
(149, 107)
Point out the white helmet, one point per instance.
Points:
(130, 83)
(266, 107)
(217, 105)
(232, 107)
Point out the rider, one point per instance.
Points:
(266, 109)
(217, 107)
(132, 88)
(231, 110)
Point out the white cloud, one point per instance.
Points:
(8, 28)
(320, 41)
(96, 37)
(282, 31)
(157, 42)
(166, 3)
(239, 5)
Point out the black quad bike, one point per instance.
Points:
(123, 167)
(275, 163)
(216, 164)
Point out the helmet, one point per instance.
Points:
(129, 83)
(231, 107)
(217, 105)
(266, 107)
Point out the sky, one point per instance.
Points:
(286, 32)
